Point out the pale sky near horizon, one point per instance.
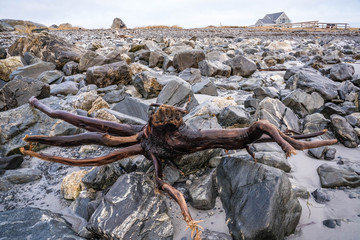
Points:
(185, 13)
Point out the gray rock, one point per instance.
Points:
(109, 74)
(80, 206)
(11, 162)
(142, 56)
(337, 176)
(331, 223)
(124, 118)
(314, 82)
(115, 96)
(241, 66)
(78, 78)
(234, 116)
(131, 210)
(132, 107)
(177, 93)
(315, 122)
(22, 175)
(30, 58)
(203, 191)
(191, 75)
(214, 68)
(3, 53)
(65, 88)
(100, 178)
(91, 58)
(250, 84)
(188, 59)
(171, 174)
(118, 24)
(52, 76)
(330, 154)
(331, 108)
(212, 235)
(300, 191)
(302, 103)
(34, 223)
(278, 114)
(257, 200)
(263, 92)
(341, 72)
(47, 47)
(331, 59)
(18, 92)
(217, 55)
(156, 59)
(32, 71)
(320, 196)
(344, 132)
(317, 152)
(273, 159)
(206, 86)
(71, 68)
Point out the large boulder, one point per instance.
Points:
(8, 65)
(47, 47)
(34, 223)
(313, 82)
(17, 92)
(109, 74)
(241, 66)
(188, 59)
(278, 114)
(118, 24)
(258, 200)
(131, 210)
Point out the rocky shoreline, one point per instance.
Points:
(303, 81)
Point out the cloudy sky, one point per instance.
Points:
(185, 13)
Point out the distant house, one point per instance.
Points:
(273, 19)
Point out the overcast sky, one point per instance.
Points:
(185, 13)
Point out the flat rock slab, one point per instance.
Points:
(33, 224)
(338, 176)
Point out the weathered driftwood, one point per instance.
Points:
(165, 137)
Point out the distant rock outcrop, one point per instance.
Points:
(13, 24)
(118, 24)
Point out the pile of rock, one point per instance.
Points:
(118, 82)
